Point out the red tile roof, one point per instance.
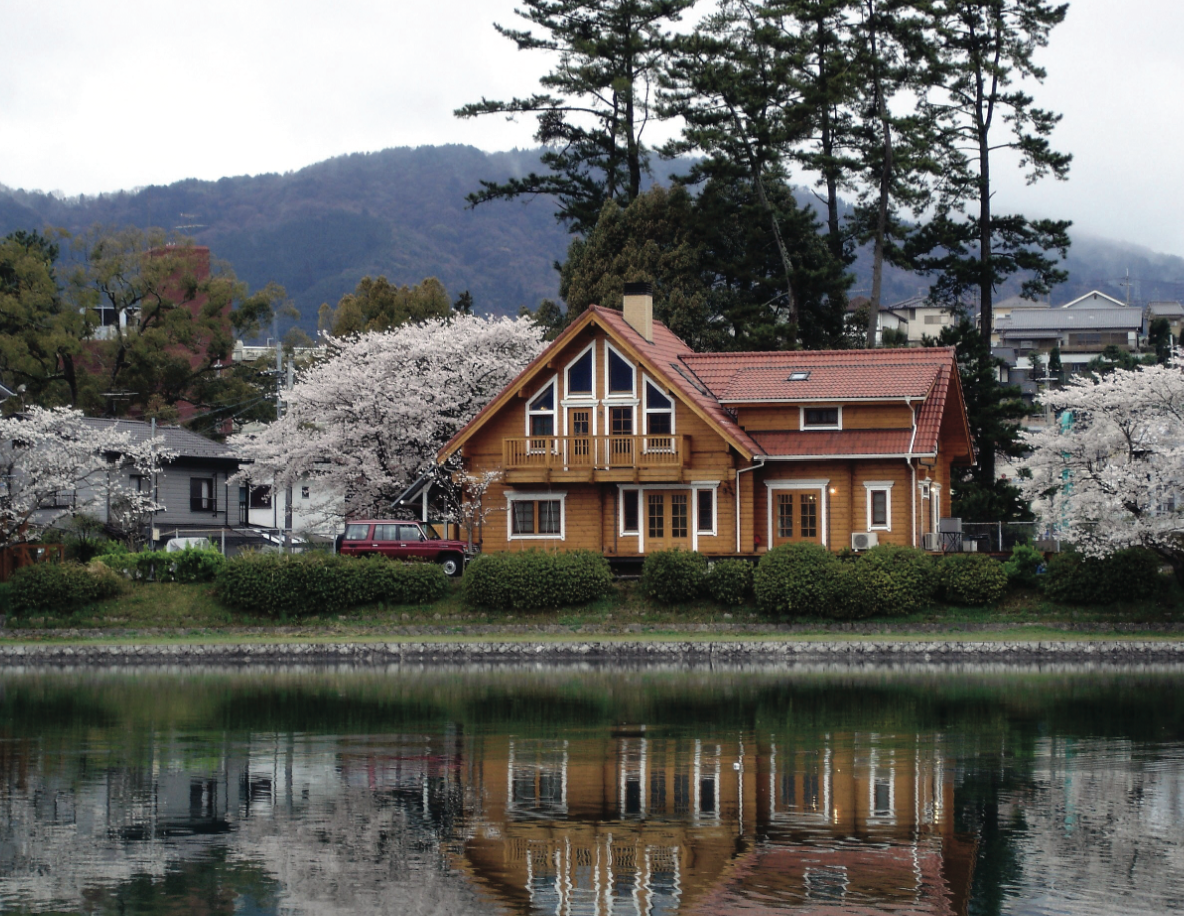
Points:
(846, 442)
(849, 382)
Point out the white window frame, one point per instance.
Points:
(935, 505)
(714, 530)
(553, 412)
(621, 530)
(646, 410)
(822, 485)
(875, 486)
(513, 496)
(581, 397)
(802, 416)
(610, 395)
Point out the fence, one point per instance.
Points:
(233, 540)
(18, 555)
(999, 537)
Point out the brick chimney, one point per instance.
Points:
(639, 308)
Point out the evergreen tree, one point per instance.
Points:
(595, 103)
(994, 412)
(378, 305)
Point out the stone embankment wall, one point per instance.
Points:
(694, 652)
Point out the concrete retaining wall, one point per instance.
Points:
(767, 651)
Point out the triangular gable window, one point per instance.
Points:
(579, 376)
(620, 374)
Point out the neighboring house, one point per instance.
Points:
(917, 317)
(314, 510)
(1172, 311)
(1082, 329)
(621, 439)
(192, 487)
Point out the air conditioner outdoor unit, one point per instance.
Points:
(864, 540)
(970, 546)
(931, 541)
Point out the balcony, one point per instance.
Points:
(596, 458)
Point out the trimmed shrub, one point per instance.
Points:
(886, 581)
(1023, 567)
(60, 587)
(796, 579)
(304, 584)
(533, 580)
(971, 579)
(1131, 574)
(193, 564)
(729, 582)
(673, 576)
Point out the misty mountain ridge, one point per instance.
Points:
(401, 213)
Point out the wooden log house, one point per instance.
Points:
(620, 438)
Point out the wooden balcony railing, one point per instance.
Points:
(600, 453)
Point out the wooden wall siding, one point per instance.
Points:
(846, 508)
(785, 417)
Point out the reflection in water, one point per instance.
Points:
(591, 792)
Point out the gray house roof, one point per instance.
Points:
(1076, 319)
(1166, 309)
(185, 443)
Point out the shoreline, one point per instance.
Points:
(662, 651)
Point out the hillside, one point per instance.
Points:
(401, 213)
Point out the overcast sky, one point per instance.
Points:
(106, 96)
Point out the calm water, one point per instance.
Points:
(592, 790)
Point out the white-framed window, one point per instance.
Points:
(817, 517)
(705, 511)
(879, 504)
(630, 511)
(822, 418)
(540, 412)
(536, 516)
(621, 374)
(659, 410)
(580, 375)
(935, 505)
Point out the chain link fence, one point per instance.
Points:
(999, 537)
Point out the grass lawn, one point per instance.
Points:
(164, 611)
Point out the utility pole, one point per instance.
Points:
(291, 379)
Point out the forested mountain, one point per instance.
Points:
(402, 213)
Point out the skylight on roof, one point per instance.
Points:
(799, 376)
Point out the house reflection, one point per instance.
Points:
(630, 823)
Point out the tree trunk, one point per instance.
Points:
(885, 187)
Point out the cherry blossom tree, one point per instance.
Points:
(369, 418)
(55, 464)
(1109, 473)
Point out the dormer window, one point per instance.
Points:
(579, 376)
(822, 418)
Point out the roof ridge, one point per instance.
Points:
(893, 351)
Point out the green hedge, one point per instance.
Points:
(673, 576)
(886, 581)
(300, 585)
(1023, 567)
(1131, 574)
(533, 580)
(729, 582)
(796, 579)
(60, 587)
(189, 565)
(971, 579)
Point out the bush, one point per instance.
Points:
(885, 581)
(194, 565)
(729, 582)
(971, 579)
(60, 587)
(1131, 574)
(1023, 568)
(673, 576)
(796, 579)
(533, 580)
(299, 585)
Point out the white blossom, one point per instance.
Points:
(369, 418)
(1108, 473)
(54, 464)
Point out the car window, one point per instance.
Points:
(356, 532)
(387, 533)
(409, 533)
(432, 533)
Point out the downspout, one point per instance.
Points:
(913, 472)
(760, 459)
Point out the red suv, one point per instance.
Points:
(402, 540)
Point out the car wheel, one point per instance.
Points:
(452, 565)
